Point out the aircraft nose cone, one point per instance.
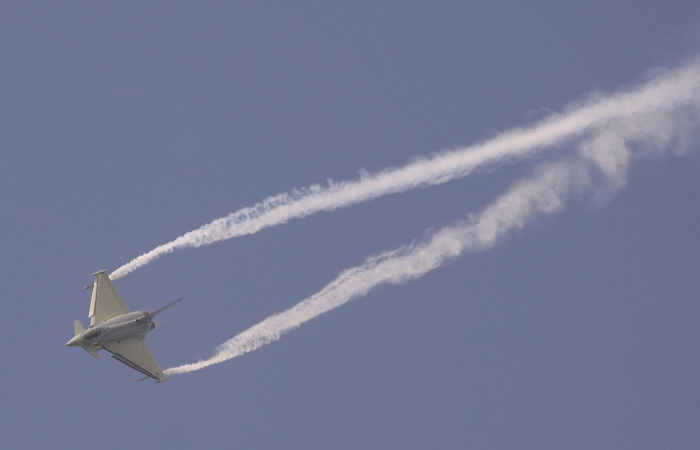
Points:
(77, 341)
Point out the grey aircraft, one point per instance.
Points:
(121, 332)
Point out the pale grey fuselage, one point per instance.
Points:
(116, 329)
(126, 326)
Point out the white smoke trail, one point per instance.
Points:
(665, 93)
(598, 167)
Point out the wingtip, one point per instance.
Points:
(158, 380)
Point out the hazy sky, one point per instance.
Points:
(125, 126)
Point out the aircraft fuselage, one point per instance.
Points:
(113, 327)
(125, 326)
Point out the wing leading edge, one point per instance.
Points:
(106, 301)
(135, 353)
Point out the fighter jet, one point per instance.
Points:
(121, 332)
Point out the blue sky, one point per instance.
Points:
(127, 125)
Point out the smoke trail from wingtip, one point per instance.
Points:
(665, 93)
(542, 194)
(598, 167)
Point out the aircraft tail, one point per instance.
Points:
(158, 311)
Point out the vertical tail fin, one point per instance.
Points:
(158, 311)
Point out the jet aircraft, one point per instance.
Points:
(121, 332)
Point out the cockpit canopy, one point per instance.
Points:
(93, 334)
